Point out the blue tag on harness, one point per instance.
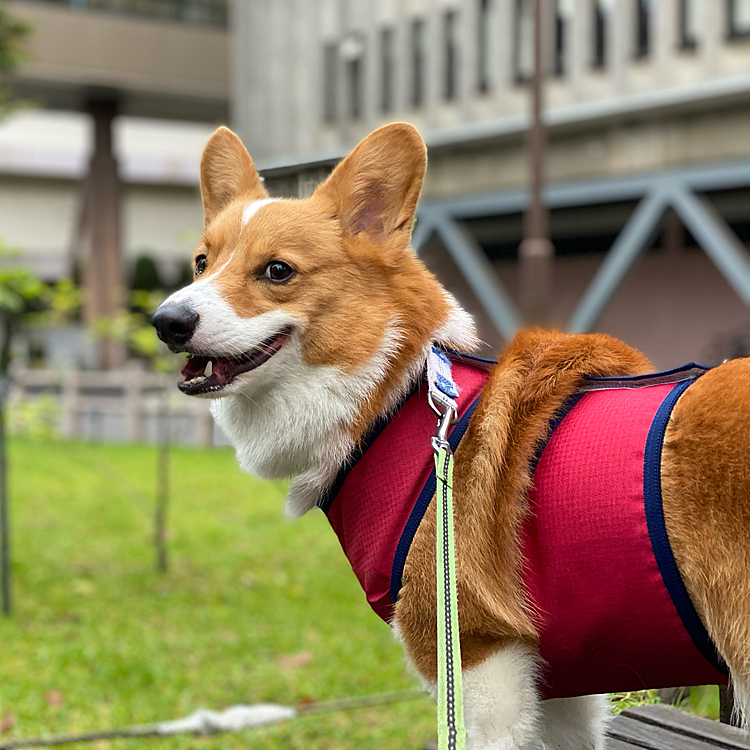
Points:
(440, 383)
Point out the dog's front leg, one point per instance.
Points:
(575, 723)
(502, 709)
(501, 704)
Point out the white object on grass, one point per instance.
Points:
(233, 719)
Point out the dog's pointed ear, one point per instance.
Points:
(227, 172)
(375, 189)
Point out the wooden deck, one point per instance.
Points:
(666, 728)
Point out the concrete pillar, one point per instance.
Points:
(468, 58)
(496, 47)
(103, 277)
(713, 24)
(433, 68)
(578, 47)
(664, 37)
(619, 43)
(400, 27)
(503, 27)
(307, 77)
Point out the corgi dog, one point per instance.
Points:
(602, 514)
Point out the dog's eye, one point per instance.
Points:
(278, 271)
(200, 265)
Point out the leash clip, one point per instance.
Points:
(447, 416)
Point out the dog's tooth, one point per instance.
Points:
(209, 369)
(193, 381)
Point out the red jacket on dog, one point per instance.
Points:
(611, 608)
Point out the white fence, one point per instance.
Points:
(128, 404)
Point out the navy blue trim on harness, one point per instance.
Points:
(482, 362)
(657, 530)
(689, 371)
(423, 502)
(649, 375)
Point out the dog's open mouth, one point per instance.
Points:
(204, 374)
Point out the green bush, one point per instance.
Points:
(146, 274)
(37, 417)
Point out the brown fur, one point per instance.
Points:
(227, 172)
(706, 497)
(535, 375)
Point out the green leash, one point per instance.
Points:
(450, 714)
(442, 393)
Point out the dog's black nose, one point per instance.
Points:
(175, 323)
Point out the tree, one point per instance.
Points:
(18, 287)
(20, 291)
(135, 330)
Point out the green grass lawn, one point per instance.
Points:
(255, 607)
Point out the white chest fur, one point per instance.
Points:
(294, 419)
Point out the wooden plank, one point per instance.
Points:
(688, 725)
(613, 744)
(661, 727)
(654, 736)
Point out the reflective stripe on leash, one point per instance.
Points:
(450, 703)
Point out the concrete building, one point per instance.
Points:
(103, 165)
(44, 158)
(648, 168)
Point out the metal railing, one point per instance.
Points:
(197, 12)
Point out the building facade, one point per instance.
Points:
(44, 158)
(647, 104)
(138, 58)
(102, 165)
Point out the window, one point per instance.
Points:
(559, 50)
(450, 20)
(738, 12)
(483, 46)
(330, 81)
(599, 41)
(688, 23)
(354, 77)
(417, 62)
(642, 24)
(353, 52)
(387, 70)
(524, 40)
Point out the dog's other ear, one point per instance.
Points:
(227, 172)
(375, 189)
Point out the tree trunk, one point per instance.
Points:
(162, 488)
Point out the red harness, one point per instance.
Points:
(611, 608)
